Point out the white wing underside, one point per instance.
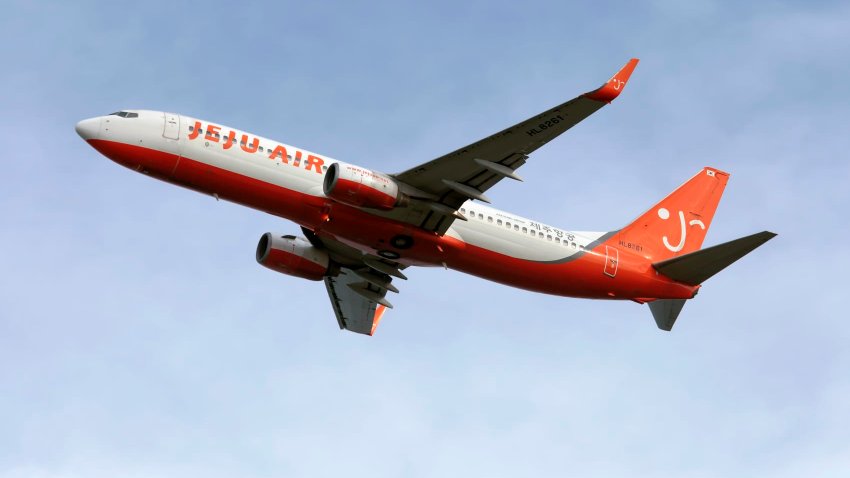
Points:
(353, 311)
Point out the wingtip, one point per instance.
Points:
(613, 87)
(379, 314)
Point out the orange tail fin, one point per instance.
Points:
(678, 224)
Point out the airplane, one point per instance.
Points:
(362, 228)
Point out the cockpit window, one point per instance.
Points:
(125, 114)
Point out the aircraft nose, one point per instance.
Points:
(88, 128)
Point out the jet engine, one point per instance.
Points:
(292, 255)
(361, 187)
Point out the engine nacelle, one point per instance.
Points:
(361, 187)
(292, 255)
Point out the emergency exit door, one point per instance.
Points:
(171, 130)
(612, 259)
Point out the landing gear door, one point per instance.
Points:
(171, 129)
(612, 260)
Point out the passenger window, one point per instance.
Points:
(524, 230)
(462, 209)
(558, 240)
(191, 127)
(489, 218)
(480, 216)
(499, 222)
(516, 228)
(548, 237)
(261, 149)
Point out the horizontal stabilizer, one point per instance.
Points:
(666, 311)
(696, 267)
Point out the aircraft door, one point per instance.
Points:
(612, 260)
(171, 130)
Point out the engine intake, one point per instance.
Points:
(361, 187)
(293, 256)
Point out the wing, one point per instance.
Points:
(441, 186)
(358, 290)
(356, 303)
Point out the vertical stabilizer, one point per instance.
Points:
(678, 224)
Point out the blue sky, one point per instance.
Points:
(139, 338)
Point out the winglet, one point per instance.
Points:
(612, 88)
(379, 313)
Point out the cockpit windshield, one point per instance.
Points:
(125, 114)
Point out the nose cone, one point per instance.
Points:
(88, 128)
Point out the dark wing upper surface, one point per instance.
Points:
(450, 180)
